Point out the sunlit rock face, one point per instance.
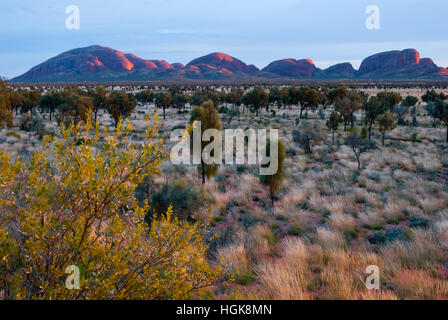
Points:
(92, 59)
(398, 64)
(303, 68)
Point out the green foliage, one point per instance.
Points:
(163, 100)
(145, 96)
(256, 98)
(99, 101)
(441, 113)
(75, 108)
(274, 181)
(308, 135)
(359, 145)
(364, 133)
(388, 236)
(183, 196)
(120, 105)
(389, 99)
(410, 101)
(209, 118)
(6, 110)
(347, 105)
(28, 99)
(29, 123)
(223, 109)
(333, 123)
(433, 96)
(386, 123)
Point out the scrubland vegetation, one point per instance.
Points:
(363, 181)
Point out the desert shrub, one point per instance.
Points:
(415, 222)
(30, 123)
(308, 135)
(296, 230)
(321, 113)
(390, 235)
(25, 122)
(183, 196)
(223, 109)
(248, 220)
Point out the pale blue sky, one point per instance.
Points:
(255, 31)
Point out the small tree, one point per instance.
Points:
(99, 99)
(29, 99)
(333, 124)
(209, 118)
(358, 145)
(401, 111)
(386, 123)
(274, 181)
(74, 108)
(51, 101)
(373, 109)
(145, 97)
(163, 100)
(348, 105)
(256, 99)
(364, 133)
(120, 105)
(389, 99)
(433, 96)
(232, 114)
(309, 98)
(409, 101)
(6, 112)
(308, 135)
(441, 111)
(275, 97)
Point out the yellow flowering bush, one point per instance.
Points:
(73, 204)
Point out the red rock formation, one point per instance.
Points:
(223, 61)
(292, 68)
(97, 63)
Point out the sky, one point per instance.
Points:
(255, 31)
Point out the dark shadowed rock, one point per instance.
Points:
(205, 71)
(426, 65)
(340, 70)
(292, 68)
(387, 62)
(223, 61)
(177, 65)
